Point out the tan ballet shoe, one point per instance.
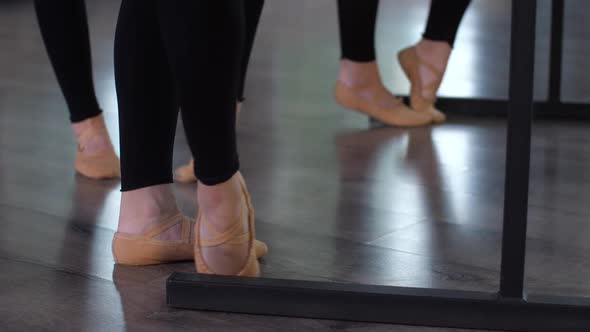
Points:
(410, 62)
(232, 236)
(358, 99)
(101, 165)
(186, 173)
(144, 249)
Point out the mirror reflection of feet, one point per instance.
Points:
(359, 88)
(425, 79)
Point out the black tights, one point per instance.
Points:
(357, 25)
(64, 27)
(185, 53)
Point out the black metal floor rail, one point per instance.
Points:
(509, 309)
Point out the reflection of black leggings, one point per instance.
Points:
(64, 28)
(185, 53)
(357, 25)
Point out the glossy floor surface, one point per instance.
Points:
(335, 199)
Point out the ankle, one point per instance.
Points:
(224, 200)
(93, 122)
(357, 74)
(92, 135)
(144, 207)
(434, 52)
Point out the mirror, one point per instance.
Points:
(337, 198)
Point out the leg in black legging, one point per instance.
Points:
(64, 28)
(444, 19)
(202, 41)
(205, 50)
(147, 104)
(357, 25)
(198, 44)
(357, 29)
(252, 11)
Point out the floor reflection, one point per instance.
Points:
(89, 228)
(402, 170)
(379, 156)
(85, 246)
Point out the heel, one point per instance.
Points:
(101, 165)
(251, 266)
(345, 96)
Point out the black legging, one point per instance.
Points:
(185, 53)
(357, 25)
(252, 10)
(64, 27)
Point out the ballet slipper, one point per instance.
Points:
(410, 62)
(365, 100)
(186, 173)
(232, 236)
(145, 249)
(103, 164)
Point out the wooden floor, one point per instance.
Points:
(335, 200)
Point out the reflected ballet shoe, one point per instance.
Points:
(145, 249)
(100, 165)
(186, 173)
(364, 100)
(410, 62)
(232, 236)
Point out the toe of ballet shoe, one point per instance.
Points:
(260, 248)
(437, 115)
(403, 116)
(400, 116)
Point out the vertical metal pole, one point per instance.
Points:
(556, 51)
(520, 107)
